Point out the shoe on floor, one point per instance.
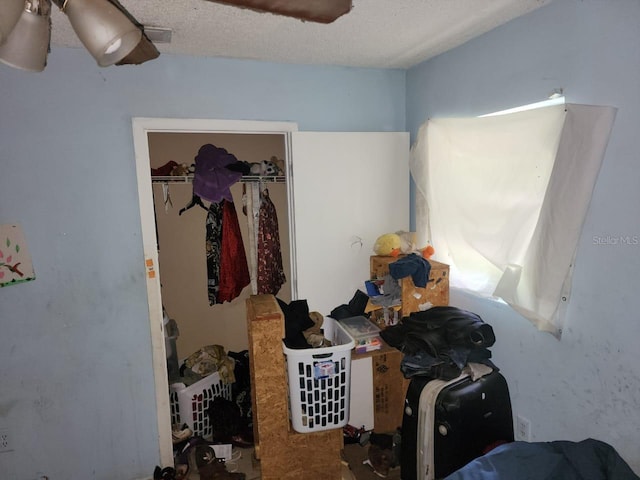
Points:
(167, 473)
(212, 468)
(180, 433)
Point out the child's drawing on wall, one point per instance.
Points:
(15, 261)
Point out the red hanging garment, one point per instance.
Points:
(234, 272)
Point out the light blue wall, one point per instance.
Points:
(76, 389)
(587, 384)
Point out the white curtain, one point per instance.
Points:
(503, 198)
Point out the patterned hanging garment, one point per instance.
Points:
(234, 271)
(270, 272)
(213, 245)
(252, 211)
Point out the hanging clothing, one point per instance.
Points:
(270, 272)
(234, 271)
(251, 200)
(213, 245)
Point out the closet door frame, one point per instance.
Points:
(142, 126)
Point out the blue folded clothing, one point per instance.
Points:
(412, 265)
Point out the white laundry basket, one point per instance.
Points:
(319, 381)
(190, 404)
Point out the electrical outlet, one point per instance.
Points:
(5, 440)
(523, 429)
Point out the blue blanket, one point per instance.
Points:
(561, 460)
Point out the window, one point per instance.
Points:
(503, 198)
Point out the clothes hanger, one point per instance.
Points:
(166, 195)
(195, 200)
(244, 199)
(264, 191)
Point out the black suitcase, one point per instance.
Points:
(446, 424)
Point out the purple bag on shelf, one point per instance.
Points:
(211, 179)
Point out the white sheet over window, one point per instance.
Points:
(502, 199)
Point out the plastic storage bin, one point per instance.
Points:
(319, 381)
(365, 333)
(189, 404)
(360, 328)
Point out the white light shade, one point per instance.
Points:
(28, 44)
(9, 15)
(103, 29)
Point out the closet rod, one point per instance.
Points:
(244, 179)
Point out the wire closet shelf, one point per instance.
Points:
(245, 179)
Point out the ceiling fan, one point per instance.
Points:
(111, 34)
(321, 11)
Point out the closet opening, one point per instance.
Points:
(175, 238)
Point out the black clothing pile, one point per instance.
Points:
(440, 342)
(354, 308)
(296, 321)
(232, 420)
(241, 389)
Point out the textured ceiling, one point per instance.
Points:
(376, 33)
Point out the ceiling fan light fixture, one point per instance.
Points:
(27, 46)
(113, 47)
(103, 29)
(11, 11)
(158, 34)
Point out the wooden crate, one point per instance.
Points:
(436, 291)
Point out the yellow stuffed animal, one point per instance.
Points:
(394, 244)
(388, 245)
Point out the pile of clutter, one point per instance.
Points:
(215, 457)
(384, 448)
(208, 457)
